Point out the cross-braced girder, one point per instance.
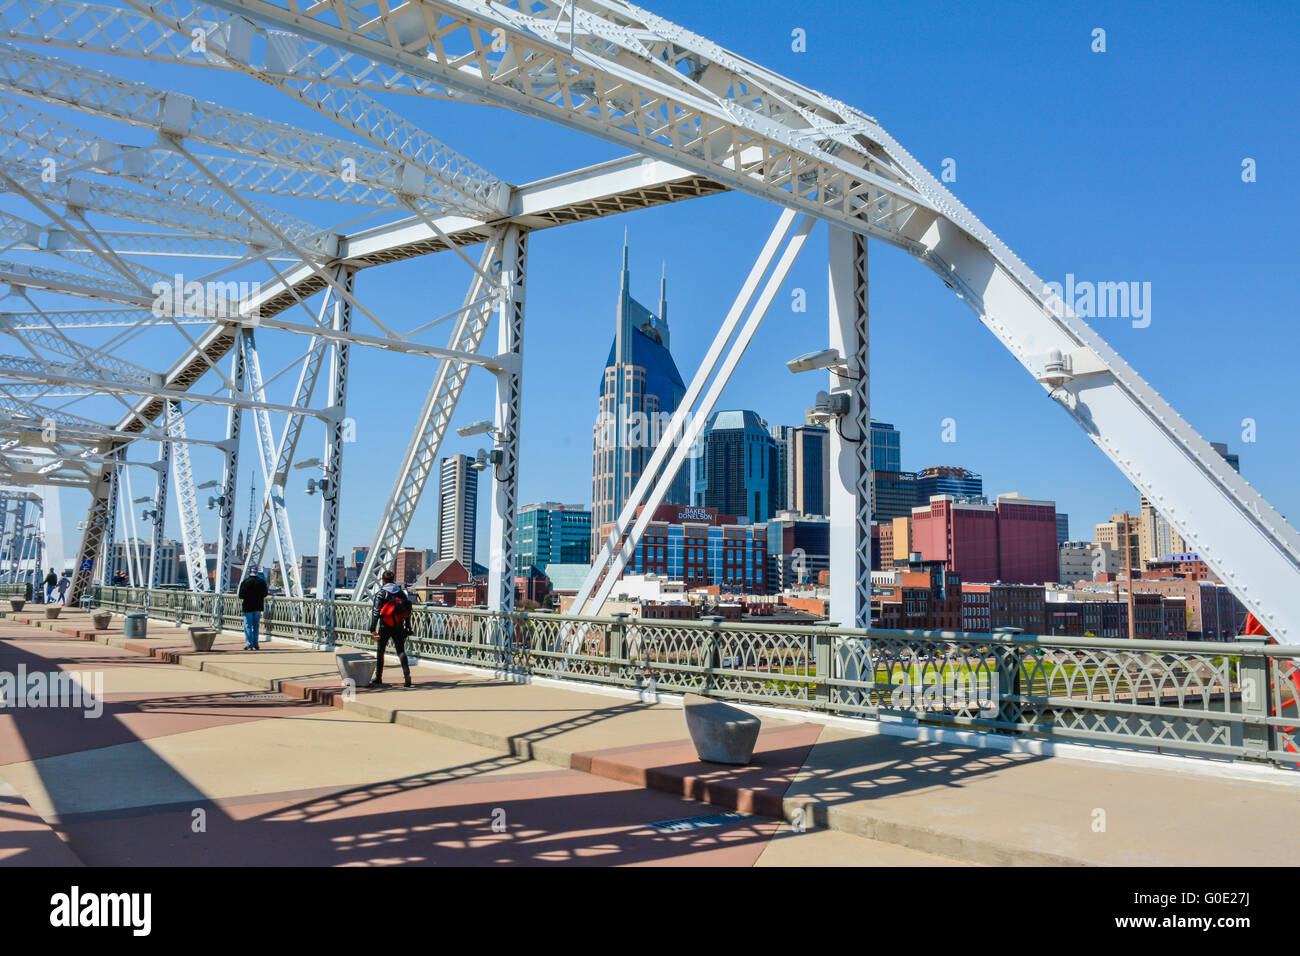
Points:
(621, 74)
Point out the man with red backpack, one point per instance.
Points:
(391, 621)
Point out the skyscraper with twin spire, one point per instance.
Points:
(639, 390)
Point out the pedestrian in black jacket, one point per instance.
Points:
(383, 633)
(252, 591)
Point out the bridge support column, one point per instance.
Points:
(850, 445)
(160, 503)
(103, 573)
(333, 460)
(229, 481)
(505, 474)
(91, 538)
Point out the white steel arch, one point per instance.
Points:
(707, 120)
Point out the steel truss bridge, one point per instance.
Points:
(147, 183)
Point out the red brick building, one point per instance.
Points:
(1012, 541)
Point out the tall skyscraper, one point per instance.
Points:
(895, 494)
(804, 450)
(734, 473)
(1062, 528)
(807, 471)
(552, 533)
(639, 390)
(457, 507)
(948, 480)
(886, 447)
(781, 473)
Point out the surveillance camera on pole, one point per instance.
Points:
(486, 458)
(813, 361)
(830, 405)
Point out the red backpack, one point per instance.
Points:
(395, 610)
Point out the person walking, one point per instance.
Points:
(391, 622)
(51, 582)
(64, 583)
(252, 591)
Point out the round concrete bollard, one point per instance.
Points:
(17, 603)
(101, 620)
(52, 611)
(202, 638)
(136, 625)
(721, 733)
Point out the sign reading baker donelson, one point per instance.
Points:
(694, 514)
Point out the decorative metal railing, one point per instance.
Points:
(1224, 700)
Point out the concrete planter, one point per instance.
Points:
(358, 668)
(52, 611)
(202, 638)
(101, 620)
(721, 733)
(17, 603)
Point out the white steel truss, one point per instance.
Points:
(186, 501)
(431, 428)
(705, 119)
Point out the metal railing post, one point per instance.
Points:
(822, 668)
(1009, 711)
(618, 636)
(1256, 706)
(713, 657)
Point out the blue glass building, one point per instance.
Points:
(552, 533)
(734, 473)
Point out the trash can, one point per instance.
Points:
(136, 622)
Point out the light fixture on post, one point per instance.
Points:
(829, 359)
(484, 427)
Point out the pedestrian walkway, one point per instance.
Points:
(922, 800)
(248, 759)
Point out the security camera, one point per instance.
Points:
(477, 428)
(322, 485)
(484, 459)
(830, 405)
(812, 361)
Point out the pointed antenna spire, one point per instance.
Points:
(623, 334)
(661, 323)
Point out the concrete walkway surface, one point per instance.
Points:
(846, 797)
(248, 759)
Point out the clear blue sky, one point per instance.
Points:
(1123, 165)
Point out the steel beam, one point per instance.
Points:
(435, 417)
(850, 436)
(332, 470)
(160, 506)
(230, 478)
(513, 273)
